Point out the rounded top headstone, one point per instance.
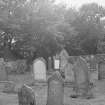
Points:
(39, 68)
(40, 59)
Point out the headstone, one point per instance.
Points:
(3, 73)
(69, 74)
(64, 59)
(55, 89)
(39, 68)
(93, 76)
(64, 56)
(101, 65)
(101, 70)
(93, 67)
(92, 62)
(26, 96)
(81, 78)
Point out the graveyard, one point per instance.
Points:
(52, 52)
(41, 94)
(77, 86)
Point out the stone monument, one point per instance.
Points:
(39, 69)
(81, 82)
(55, 89)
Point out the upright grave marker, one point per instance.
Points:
(26, 96)
(93, 68)
(69, 74)
(39, 68)
(81, 78)
(101, 69)
(64, 61)
(55, 89)
(101, 66)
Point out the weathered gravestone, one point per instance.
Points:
(93, 68)
(63, 61)
(81, 82)
(3, 73)
(93, 62)
(101, 66)
(101, 70)
(39, 68)
(55, 89)
(69, 74)
(93, 76)
(26, 96)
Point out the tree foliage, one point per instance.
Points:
(30, 28)
(90, 30)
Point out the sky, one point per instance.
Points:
(78, 3)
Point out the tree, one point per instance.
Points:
(27, 23)
(87, 24)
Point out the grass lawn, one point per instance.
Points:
(41, 93)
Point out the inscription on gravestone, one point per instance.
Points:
(55, 90)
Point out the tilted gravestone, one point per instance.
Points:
(55, 89)
(81, 82)
(26, 96)
(39, 69)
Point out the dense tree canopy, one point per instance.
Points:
(90, 30)
(30, 28)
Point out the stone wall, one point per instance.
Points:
(17, 67)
